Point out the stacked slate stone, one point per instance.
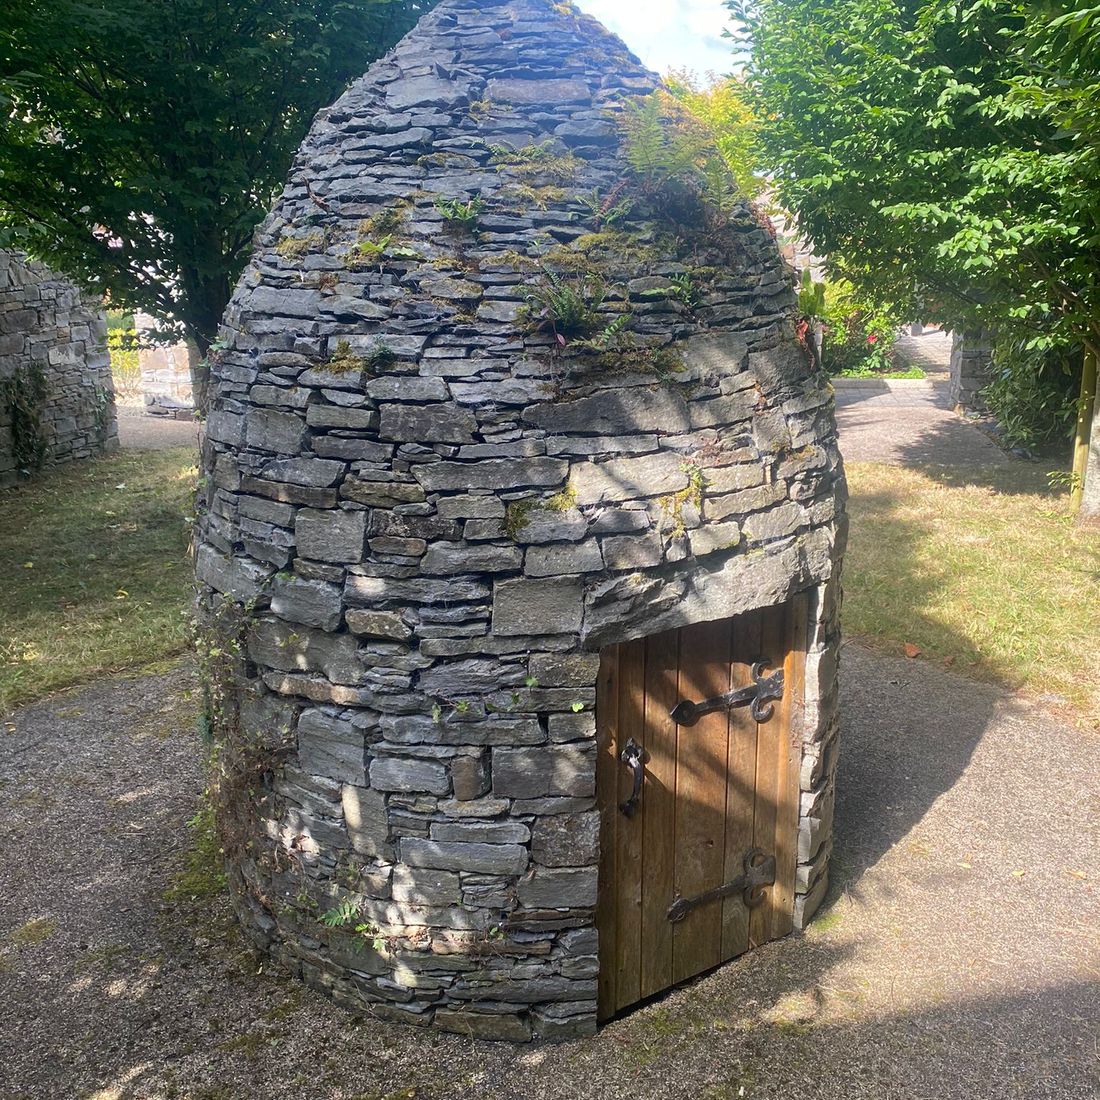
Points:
(430, 512)
(970, 371)
(47, 330)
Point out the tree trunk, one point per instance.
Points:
(1086, 450)
(200, 376)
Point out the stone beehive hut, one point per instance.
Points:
(513, 448)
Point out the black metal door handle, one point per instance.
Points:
(633, 757)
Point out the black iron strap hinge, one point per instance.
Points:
(759, 871)
(757, 696)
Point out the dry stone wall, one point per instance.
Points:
(424, 513)
(56, 395)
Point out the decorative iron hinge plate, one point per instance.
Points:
(757, 696)
(759, 872)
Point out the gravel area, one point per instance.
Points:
(958, 955)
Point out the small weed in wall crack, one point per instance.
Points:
(347, 914)
(241, 761)
(672, 506)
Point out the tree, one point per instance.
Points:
(942, 153)
(141, 141)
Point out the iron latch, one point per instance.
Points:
(759, 872)
(633, 756)
(757, 696)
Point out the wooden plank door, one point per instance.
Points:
(711, 792)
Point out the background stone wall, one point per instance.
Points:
(165, 373)
(423, 516)
(970, 370)
(46, 326)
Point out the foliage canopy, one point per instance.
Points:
(142, 141)
(944, 153)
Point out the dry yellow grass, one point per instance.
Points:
(986, 572)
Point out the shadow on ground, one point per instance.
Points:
(958, 956)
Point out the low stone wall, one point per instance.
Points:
(57, 400)
(165, 374)
(970, 370)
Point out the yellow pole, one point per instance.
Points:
(1083, 432)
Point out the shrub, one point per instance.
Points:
(123, 348)
(1034, 391)
(859, 335)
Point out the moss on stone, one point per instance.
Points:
(294, 248)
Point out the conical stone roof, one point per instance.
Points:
(490, 398)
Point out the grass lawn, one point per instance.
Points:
(96, 576)
(989, 577)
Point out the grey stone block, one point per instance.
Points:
(494, 859)
(482, 832)
(629, 478)
(332, 747)
(613, 413)
(524, 606)
(427, 424)
(494, 473)
(331, 535)
(713, 537)
(378, 624)
(271, 430)
(313, 603)
(561, 559)
(469, 777)
(566, 840)
(564, 669)
(632, 551)
(572, 727)
(537, 771)
(559, 888)
(365, 818)
(426, 886)
(484, 1025)
(280, 645)
(401, 774)
(448, 558)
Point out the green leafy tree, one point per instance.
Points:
(141, 141)
(943, 154)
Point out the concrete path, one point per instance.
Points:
(931, 351)
(957, 958)
(908, 422)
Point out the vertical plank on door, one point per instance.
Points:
(740, 783)
(659, 808)
(701, 796)
(607, 780)
(787, 786)
(628, 933)
(772, 767)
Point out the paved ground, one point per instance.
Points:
(910, 422)
(931, 351)
(137, 431)
(958, 958)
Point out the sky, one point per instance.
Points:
(669, 34)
